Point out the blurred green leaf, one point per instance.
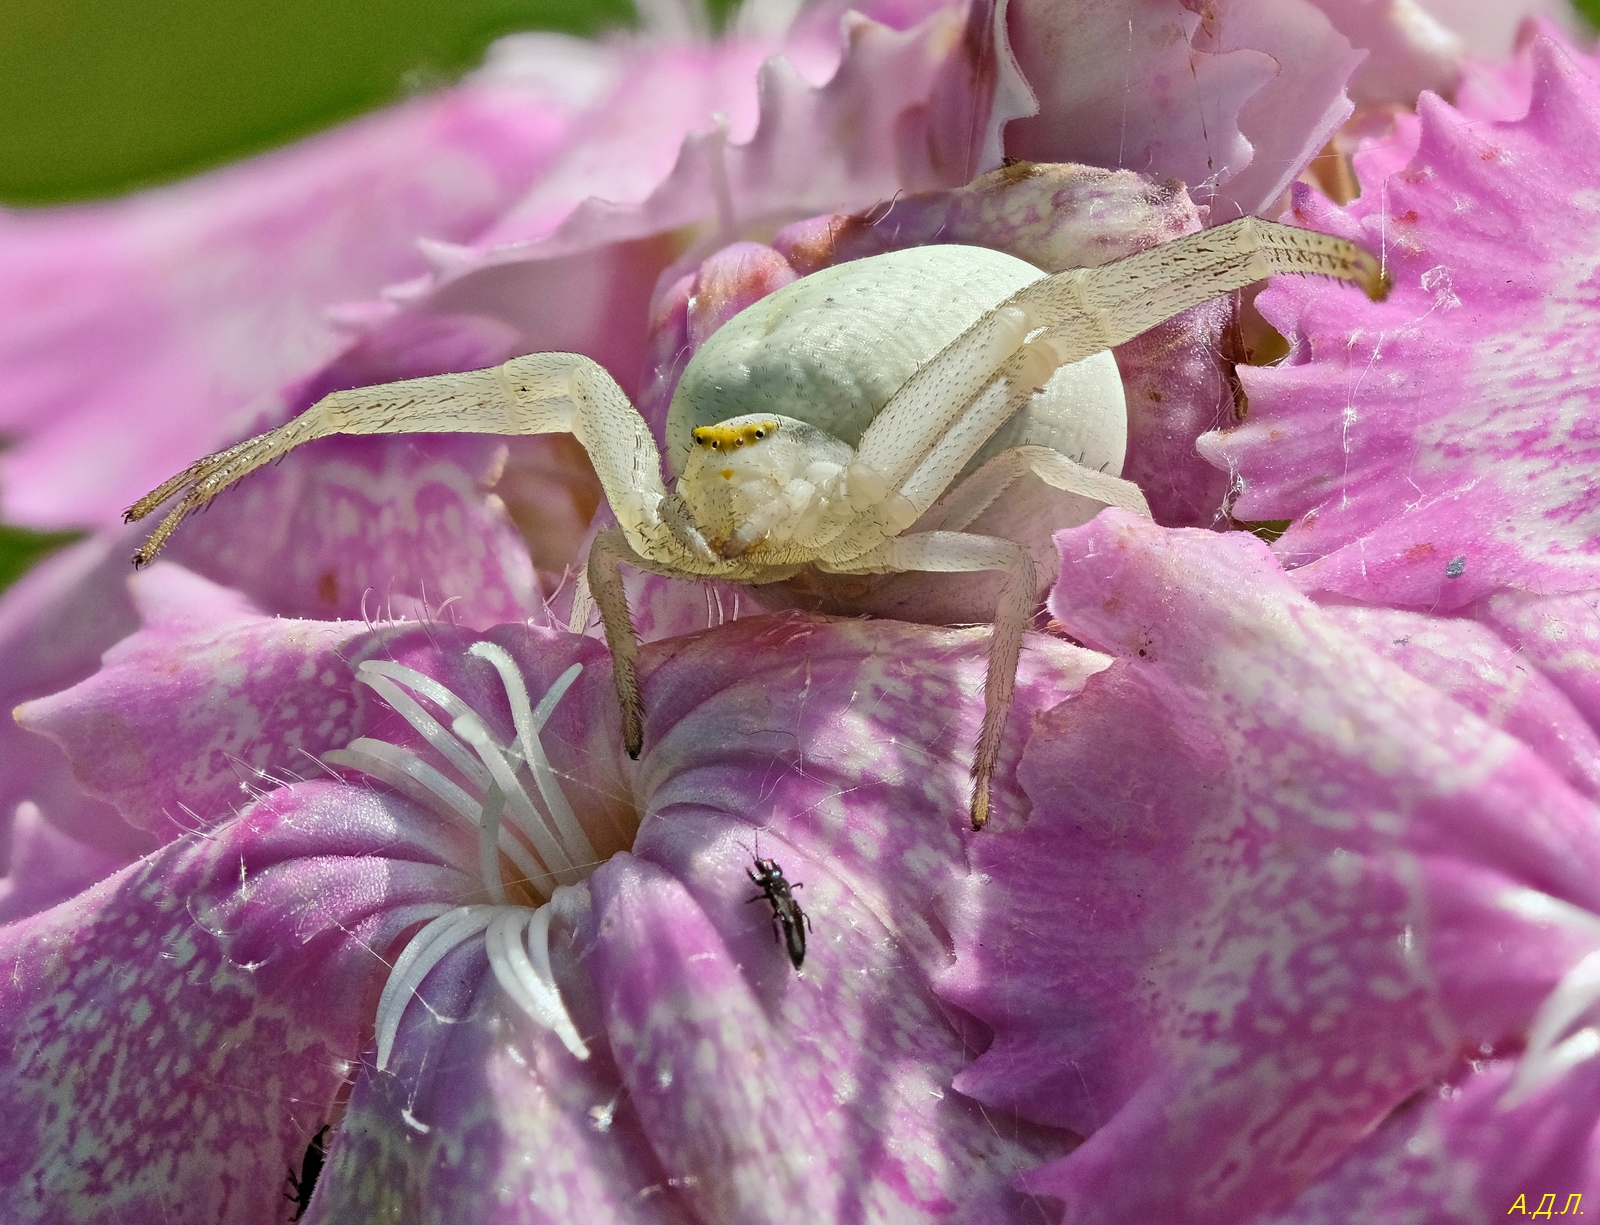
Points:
(103, 95)
(20, 549)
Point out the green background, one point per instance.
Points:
(100, 96)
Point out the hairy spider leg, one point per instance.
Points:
(542, 393)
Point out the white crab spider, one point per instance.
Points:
(833, 485)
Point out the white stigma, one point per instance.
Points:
(545, 844)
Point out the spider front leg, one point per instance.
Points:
(606, 555)
(930, 429)
(541, 393)
(960, 552)
(680, 553)
(1089, 309)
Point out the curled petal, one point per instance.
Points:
(1408, 50)
(1232, 98)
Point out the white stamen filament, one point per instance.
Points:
(546, 847)
(1557, 1042)
(529, 723)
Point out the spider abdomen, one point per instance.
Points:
(832, 348)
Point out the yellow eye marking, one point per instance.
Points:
(731, 437)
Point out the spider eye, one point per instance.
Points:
(761, 433)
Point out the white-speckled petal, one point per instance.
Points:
(177, 1033)
(1271, 886)
(1439, 446)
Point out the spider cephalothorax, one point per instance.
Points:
(819, 424)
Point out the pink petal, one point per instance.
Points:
(54, 623)
(487, 1120)
(177, 308)
(794, 148)
(191, 715)
(195, 714)
(1271, 886)
(1489, 27)
(1438, 446)
(1407, 50)
(840, 746)
(787, 1123)
(1486, 89)
(48, 866)
(1456, 1156)
(1559, 635)
(1496, 677)
(1233, 99)
(179, 1032)
(372, 528)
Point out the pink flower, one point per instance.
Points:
(1288, 911)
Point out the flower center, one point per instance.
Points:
(540, 839)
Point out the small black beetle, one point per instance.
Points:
(786, 912)
(310, 1170)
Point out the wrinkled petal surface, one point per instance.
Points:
(1441, 445)
(1324, 880)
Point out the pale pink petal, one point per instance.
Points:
(631, 140)
(224, 718)
(372, 529)
(798, 148)
(1271, 885)
(1408, 50)
(1440, 445)
(1233, 99)
(1559, 635)
(54, 623)
(1489, 27)
(159, 320)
